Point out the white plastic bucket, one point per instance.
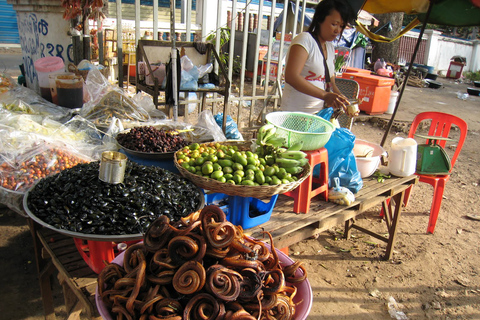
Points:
(392, 102)
(402, 159)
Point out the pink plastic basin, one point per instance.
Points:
(304, 296)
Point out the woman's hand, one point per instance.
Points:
(335, 100)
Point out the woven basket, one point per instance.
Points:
(84, 73)
(240, 190)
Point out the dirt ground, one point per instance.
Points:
(430, 276)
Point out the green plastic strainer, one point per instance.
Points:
(313, 130)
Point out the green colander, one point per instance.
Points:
(313, 130)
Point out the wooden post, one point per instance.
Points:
(101, 53)
(87, 47)
(77, 49)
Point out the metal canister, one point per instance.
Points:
(112, 167)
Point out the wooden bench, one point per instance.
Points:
(55, 251)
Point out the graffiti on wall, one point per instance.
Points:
(37, 42)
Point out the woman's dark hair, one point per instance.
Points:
(325, 7)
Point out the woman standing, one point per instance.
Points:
(309, 72)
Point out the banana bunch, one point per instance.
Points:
(266, 136)
(292, 159)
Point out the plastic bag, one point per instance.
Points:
(231, 129)
(206, 120)
(114, 104)
(186, 63)
(205, 69)
(39, 161)
(325, 113)
(6, 82)
(189, 79)
(341, 161)
(24, 100)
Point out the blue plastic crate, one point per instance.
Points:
(241, 210)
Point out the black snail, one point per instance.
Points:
(76, 200)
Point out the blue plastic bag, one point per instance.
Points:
(341, 161)
(231, 130)
(325, 113)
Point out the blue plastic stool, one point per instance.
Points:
(237, 208)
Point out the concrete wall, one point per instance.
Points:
(440, 49)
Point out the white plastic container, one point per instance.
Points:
(392, 102)
(45, 67)
(367, 165)
(402, 159)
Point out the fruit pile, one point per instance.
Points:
(270, 164)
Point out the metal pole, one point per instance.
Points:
(174, 61)
(119, 43)
(404, 84)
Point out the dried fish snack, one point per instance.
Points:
(115, 104)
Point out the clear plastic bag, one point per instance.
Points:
(40, 160)
(206, 120)
(114, 104)
(6, 82)
(24, 100)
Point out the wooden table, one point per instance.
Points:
(288, 228)
(57, 251)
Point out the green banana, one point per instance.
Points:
(303, 161)
(269, 134)
(289, 154)
(262, 131)
(294, 170)
(287, 163)
(275, 141)
(296, 146)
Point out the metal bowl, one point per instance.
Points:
(434, 84)
(88, 236)
(194, 134)
(473, 91)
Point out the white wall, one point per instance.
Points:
(440, 49)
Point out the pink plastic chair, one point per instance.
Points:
(440, 127)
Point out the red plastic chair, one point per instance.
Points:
(440, 127)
